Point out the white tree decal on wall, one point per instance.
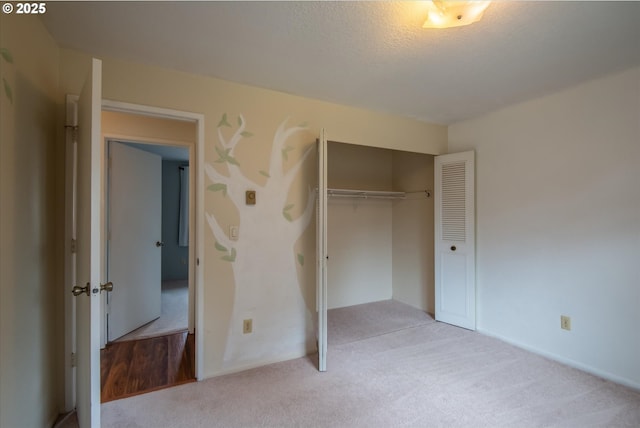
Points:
(263, 259)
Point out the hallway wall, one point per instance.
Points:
(31, 239)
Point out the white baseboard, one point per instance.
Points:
(566, 361)
(254, 364)
(61, 419)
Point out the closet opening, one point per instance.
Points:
(380, 241)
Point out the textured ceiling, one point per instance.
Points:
(374, 55)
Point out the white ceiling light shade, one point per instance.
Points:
(446, 14)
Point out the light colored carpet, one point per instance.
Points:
(427, 375)
(174, 313)
(359, 322)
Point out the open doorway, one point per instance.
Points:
(372, 284)
(148, 335)
(148, 196)
(85, 160)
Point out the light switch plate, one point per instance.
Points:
(234, 232)
(247, 326)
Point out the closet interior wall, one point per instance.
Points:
(380, 249)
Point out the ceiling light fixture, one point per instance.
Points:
(446, 14)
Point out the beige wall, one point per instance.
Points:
(380, 249)
(273, 261)
(30, 240)
(557, 209)
(158, 87)
(357, 167)
(359, 230)
(147, 128)
(413, 231)
(558, 223)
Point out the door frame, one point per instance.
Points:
(196, 249)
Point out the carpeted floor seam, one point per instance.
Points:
(381, 334)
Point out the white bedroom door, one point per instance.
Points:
(135, 238)
(321, 252)
(455, 290)
(89, 249)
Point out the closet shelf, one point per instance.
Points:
(365, 194)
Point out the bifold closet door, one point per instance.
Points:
(455, 291)
(321, 252)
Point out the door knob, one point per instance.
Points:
(106, 287)
(77, 290)
(159, 244)
(453, 248)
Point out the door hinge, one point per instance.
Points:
(74, 246)
(74, 360)
(74, 132)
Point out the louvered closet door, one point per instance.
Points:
(455, 240)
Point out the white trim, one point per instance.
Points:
(199, 242)
(566, 361)
(321, 252)
(124, 138)
(159, 112)
(195, 269)
(255, 364)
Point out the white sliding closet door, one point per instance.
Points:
(321, 252)
(455, 239)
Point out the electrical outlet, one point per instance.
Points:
(565, 322)
(247, 326)
(250, 197)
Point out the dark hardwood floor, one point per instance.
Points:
(139, 366)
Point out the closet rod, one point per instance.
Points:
(366, 194)
(425, 192)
